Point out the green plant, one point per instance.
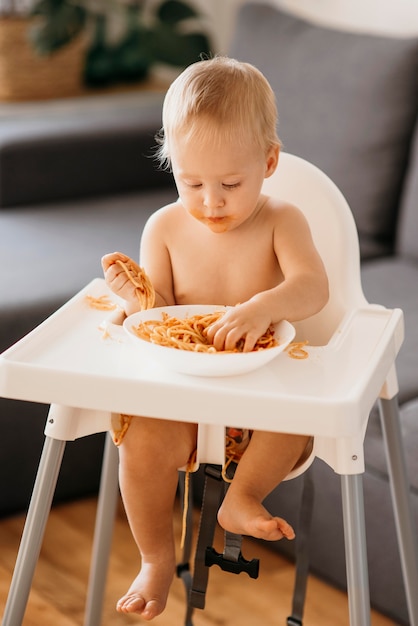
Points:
(148, 36)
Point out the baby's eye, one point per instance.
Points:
(231, 185)
(194, 185)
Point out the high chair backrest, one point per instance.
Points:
(335, 235)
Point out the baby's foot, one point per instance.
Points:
(148, 593)
(244, 515)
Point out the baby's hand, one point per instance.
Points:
(116, 278)
(248, 321)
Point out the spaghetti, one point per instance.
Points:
(296, 350)
(102, 303)
(190, 333)
(120, 425)
(190, 468)
(143, 287)
(236, 442)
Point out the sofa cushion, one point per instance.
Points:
(373, 447)
(347, 102)
(53, 151)
(59, 251)
(393, 283)
(407, 239)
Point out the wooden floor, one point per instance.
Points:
(59, 588)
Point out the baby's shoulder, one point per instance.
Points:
(285, 219)
(164, 216)
(166, 211)
(278, 209)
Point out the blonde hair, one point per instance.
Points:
(234, 99)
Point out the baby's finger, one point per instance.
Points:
(211, 330)
(226, 338)
(251, 339)
(110, 259)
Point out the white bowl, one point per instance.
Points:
(203, 363)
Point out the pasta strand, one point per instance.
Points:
(190, 333)
(143, 287)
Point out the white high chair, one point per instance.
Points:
(352, 350)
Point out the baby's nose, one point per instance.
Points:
(213, 199)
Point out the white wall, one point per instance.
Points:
(221, 15)
(388, 17)
(397, 17)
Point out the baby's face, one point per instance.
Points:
(219, 185)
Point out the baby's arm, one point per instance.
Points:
(302, 293)
(155, 261)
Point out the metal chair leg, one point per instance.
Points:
(105, 517)
(355, 549)
(389, 415)
(33, 533)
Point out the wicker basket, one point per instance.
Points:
(24, 75)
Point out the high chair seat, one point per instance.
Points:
(81, 362)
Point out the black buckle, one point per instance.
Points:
(212, 557)
(293, 621)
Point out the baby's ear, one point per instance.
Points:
(272, 159)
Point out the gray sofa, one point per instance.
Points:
(77, 180)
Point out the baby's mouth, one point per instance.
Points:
(216, 220)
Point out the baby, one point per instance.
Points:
(221, 242)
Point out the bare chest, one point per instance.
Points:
(223, 270)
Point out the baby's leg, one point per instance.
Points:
(150, 455)
(268, 459)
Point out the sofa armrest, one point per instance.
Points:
(79, 148)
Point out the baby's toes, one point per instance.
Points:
(131, 603)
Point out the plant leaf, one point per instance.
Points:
(133, 55)
(178, 49)
(61, 27)
(174, 11)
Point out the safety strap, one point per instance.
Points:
(212, 497)
(231, 560)
(302, 550)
